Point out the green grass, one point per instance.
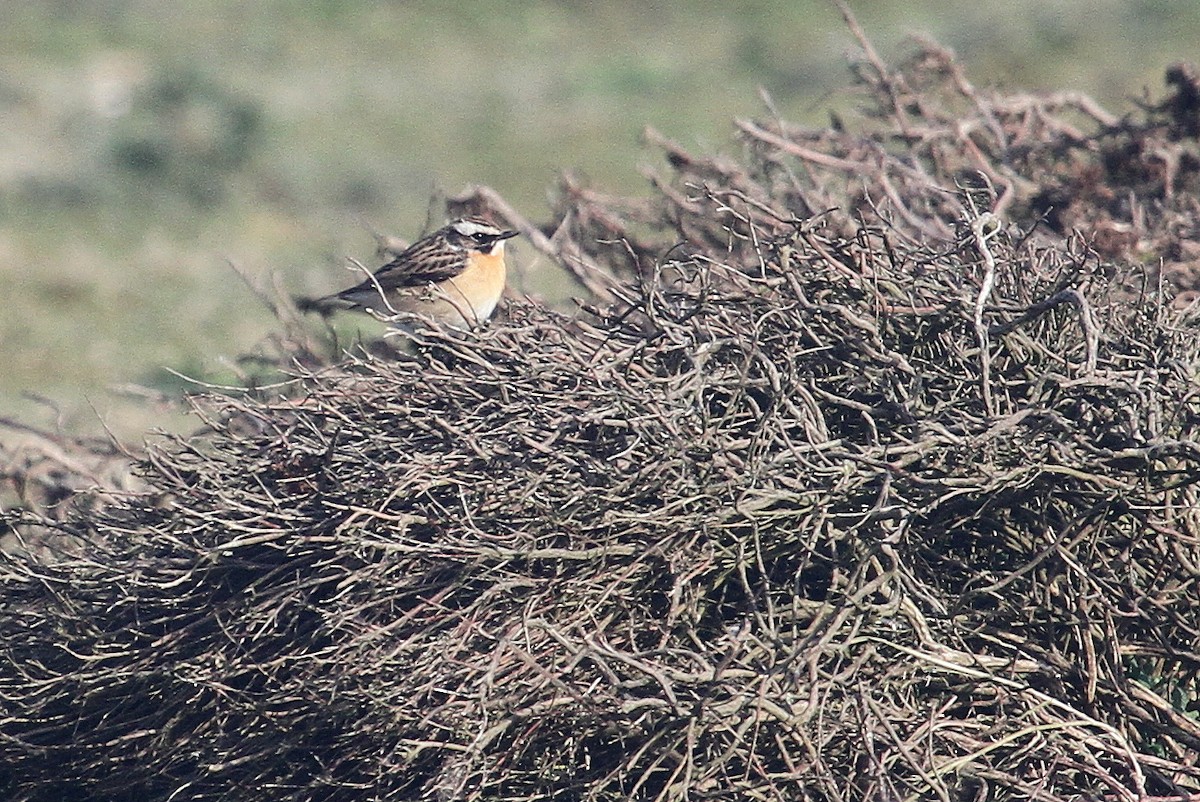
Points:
(146, 144)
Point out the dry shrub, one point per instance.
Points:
(54, 474)
(851, 485)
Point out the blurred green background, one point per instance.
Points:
(146, 144)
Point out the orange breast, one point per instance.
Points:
(480, 285)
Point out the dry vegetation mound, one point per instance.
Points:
(854, 481)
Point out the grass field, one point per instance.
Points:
(147, 145)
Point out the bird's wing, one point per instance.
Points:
(426, 262)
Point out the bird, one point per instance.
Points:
(455, 276)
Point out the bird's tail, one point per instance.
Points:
(307, 304)
(325, 305)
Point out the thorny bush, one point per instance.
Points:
(868, 471)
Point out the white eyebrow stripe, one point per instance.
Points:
(469, 228)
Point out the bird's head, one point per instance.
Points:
(474, 234)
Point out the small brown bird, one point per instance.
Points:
(455, 275)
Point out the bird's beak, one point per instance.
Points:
(506, 235)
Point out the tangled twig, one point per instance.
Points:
(821, 497)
